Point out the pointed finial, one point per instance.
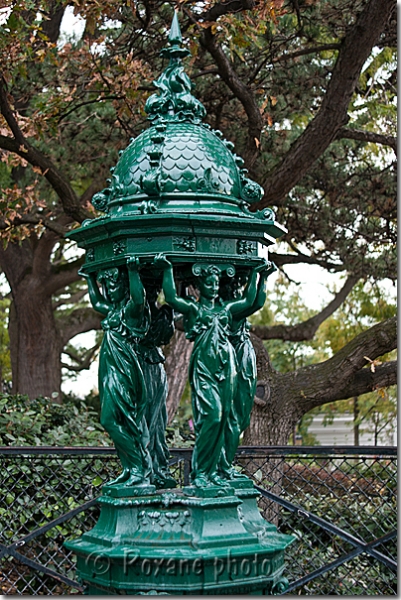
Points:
(175, 49)
(175, 101)
(175, 36)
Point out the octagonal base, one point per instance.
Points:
(214, 542)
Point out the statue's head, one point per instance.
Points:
(208, 281)
(115, 284)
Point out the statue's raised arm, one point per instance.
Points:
(179, 304)
(98, 301)
(246, 303)
(134, 310)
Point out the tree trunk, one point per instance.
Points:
(178, 353)
(34, 345)
(273, 419)
(274, 414)
(356, 425)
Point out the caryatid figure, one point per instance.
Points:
(239, 336)
(122, 386)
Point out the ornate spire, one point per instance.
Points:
(174, 102)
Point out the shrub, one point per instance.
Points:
(42, 422)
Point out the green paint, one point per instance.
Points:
(177, 544)
(151, 359)
(177, 214)
(121, 383)
(213, 373)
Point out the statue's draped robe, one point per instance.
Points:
(213, 378)
(123, 391)
(151, 359)
(246, 386)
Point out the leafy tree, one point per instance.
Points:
(364, 306)
(306, 90)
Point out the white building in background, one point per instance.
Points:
(341, 432)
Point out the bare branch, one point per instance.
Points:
(72, 299)
(86, 103)
(63, 276)
(368, 136)
(79, 321)
(82, 362)
(324, 382)
(295, 259)
(332, 115)
(304, 51)
(307, 329)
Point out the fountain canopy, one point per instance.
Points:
(178, 188)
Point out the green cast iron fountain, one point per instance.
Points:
(177, 215)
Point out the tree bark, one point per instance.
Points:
(34, 344)
(36, 337)
(178, 353)
(283, 398)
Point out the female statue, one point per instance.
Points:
(246, 362)
(121, 383)
(151, 359)
(212, 369)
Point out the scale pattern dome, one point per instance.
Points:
(178, 157)
(190, 160)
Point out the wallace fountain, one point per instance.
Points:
(177, 219)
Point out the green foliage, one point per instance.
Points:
(42, 422)
(286, 306)
(352, 578)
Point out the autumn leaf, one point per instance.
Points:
(373, 363)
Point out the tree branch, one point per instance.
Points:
(368, 136)
(73, 299)
(65, 275)
(83, 362)
(295, 259)
(304, 51)
(307, 329)
(79, 321)
(229, 75)
(324, 382)
(332, 115)
(20, 145)
(224, 8)
(364, 381)
(30, 219)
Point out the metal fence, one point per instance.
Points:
(339, 503)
